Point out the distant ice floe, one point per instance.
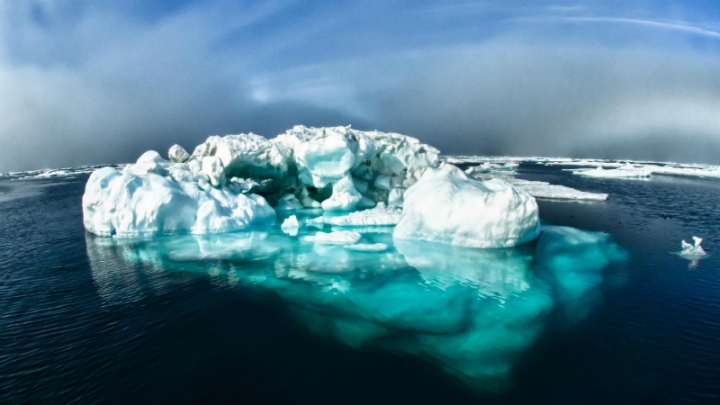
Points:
(471, 312)
(537, 189)
(544, 190)
(622, 172)
(626, 169)
(52, 173)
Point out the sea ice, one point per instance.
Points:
(544, 190)
(622, 172)
(334, 238)
(290, 226)
(380, 215)
(367, 247)
(447, 206)
(694, 250)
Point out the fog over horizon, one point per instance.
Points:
(89, 82)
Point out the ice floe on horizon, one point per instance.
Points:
(641, 166)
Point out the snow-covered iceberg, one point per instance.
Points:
(230, 183)
(129, 204)
(447, 206)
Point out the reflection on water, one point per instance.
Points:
(472, 312)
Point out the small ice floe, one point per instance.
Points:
(622, 172)
(334, 238)
(367, 247)
(290, 226)
(693, 252)
(547, 191)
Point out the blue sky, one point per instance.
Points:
(99, 81)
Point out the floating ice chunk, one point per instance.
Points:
(178, 154)
(692, 250)
(334, 238)
(448, 207)
(380, 215)
(367, 247)
(128, 204)
(290, 226)
(622, 172)
(544, 190)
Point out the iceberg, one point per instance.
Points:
(290, 226)
(472, 313)
(692, 251)
(447, 206)
(238, 178)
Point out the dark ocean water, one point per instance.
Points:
(575, 318)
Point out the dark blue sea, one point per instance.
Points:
(598, 310)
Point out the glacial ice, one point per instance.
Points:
(336, 169)
(471, 312)
(367, 247)
(140, 201)
(447, 206)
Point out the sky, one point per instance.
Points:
(90, 82)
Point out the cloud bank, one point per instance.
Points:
(86, 83)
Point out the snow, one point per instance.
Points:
(367, 247)
(290, 225)
(447, 206)
(334, 238)
(140, 202)
(380, 215)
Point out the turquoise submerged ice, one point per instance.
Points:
(471, 312)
